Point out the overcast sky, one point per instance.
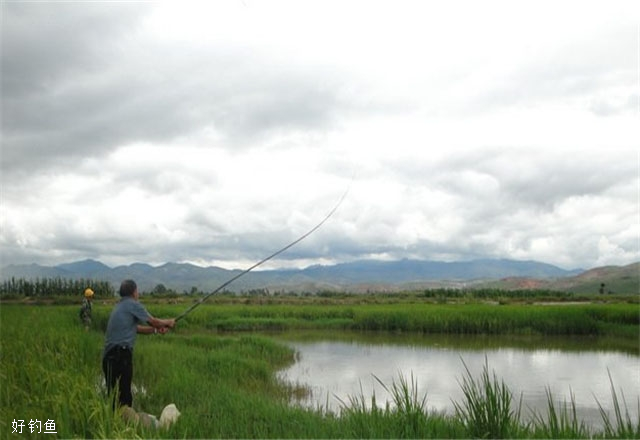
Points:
(215, 133)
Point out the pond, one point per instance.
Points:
(340, 367)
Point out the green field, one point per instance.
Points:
(220, 372)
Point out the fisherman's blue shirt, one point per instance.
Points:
(122, 327)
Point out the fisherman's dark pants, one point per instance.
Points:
(117, 366)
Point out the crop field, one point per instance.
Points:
(220, 371)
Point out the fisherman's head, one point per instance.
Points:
(129, 288)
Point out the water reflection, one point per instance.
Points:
(335, 370)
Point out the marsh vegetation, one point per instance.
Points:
(220, 368)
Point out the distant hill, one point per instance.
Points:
(616, 279)
(404, 271)
(366, 275)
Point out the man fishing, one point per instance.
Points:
(125, 322)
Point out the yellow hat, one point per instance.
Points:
(88, 292)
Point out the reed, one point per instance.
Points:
(622, 426)
(621, 320)
(406, 416)
(559, 422)
(486, 411)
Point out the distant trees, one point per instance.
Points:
(46, 287)
(160, 289)
(257, 292)
(495, 293)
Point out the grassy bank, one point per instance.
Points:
(225, 385)
(620, 320)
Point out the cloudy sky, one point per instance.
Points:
(216, 133)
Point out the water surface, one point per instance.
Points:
(335, 369)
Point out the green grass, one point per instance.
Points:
(560, 422)
(487, 409)
(622, 426)
(620, 320)
(406, 417)
(225, 384)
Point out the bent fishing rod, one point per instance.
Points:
(278, 252)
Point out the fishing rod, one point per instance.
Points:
(278, 252)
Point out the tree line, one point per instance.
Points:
(47, 287)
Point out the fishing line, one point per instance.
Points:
(278, 252)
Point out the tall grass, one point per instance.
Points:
(622, 426)
(559, 422)
(621, 320)
(487, 409)
(589, 319)
(406, 416)
(50, 365)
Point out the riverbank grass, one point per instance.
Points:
(621, 425)
(487, 409)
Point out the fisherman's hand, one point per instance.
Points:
(171, 323)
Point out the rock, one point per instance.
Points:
(169, 415)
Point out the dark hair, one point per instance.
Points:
(127, 288)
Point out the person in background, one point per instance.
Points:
(127, 320)
(85, 309)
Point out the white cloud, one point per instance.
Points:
(216, 132)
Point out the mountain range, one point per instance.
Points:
(358, 276)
